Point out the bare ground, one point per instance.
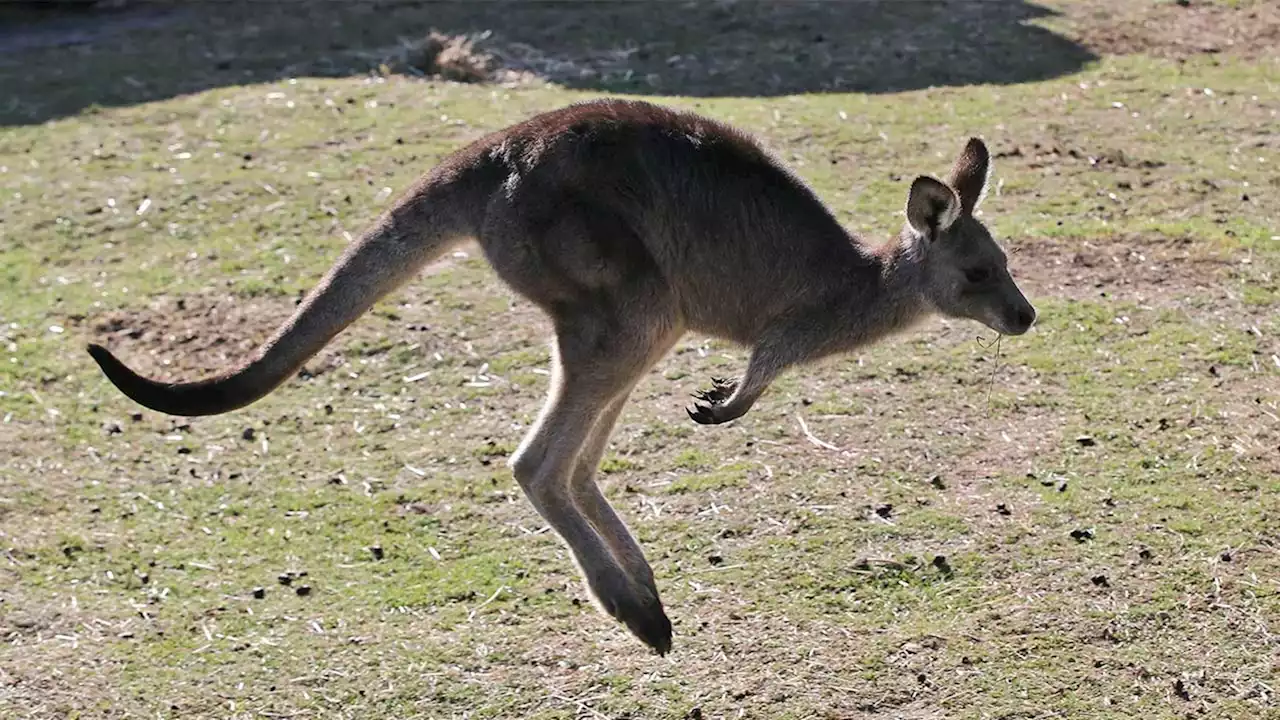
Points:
(1175, 30)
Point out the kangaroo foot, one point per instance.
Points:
(635, 606)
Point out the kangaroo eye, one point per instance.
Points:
(977, 275)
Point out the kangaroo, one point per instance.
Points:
(630, 224)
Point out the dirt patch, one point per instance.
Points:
(1244, 431)
(1177, 30)
(1011, 446)
(28, 28)
(1152, 270)
(181, 338)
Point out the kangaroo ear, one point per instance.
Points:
(970, 173)
(931, 207)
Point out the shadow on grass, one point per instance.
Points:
(56, 64)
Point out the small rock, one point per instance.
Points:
(1146, 554)
(715, 559)
(136, 417)
(1062, 486)
(884, 511)
(1086, 441)
(376, 550)
(184, 450)
(303, 590)
(1082, 534)
(936, 481)
(285, 578)
(248, 433)
(1225, 556)
(23, 622)
(1100, 581)
(259, 593)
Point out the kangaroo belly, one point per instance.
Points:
(554, 247)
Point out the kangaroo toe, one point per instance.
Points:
(637, 607)
(721, 389)
(703, 414)
(650, 623)
(708, 411)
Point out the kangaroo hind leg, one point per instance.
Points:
(598, 359)
(592, 501)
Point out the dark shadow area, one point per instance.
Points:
(58, 63)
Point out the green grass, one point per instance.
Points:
(1105, 495)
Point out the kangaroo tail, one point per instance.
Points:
(420, 228)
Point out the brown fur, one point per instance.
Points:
(630, 224)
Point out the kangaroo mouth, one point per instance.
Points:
(1014, 323)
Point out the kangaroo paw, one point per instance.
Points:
(705, 412)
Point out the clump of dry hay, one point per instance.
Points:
(484, 58)
(458, 58)
(453, 57)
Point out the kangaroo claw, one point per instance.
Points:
(705, 412)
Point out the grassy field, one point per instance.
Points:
(1082, 527)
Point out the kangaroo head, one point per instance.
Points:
(964, 271)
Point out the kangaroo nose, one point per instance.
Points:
(1026, 316)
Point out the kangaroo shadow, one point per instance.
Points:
(60, 64)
